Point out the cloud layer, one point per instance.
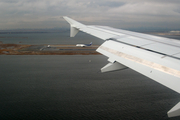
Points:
(117, 13)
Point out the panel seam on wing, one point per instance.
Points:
(115, 32)
(144, 62)
(141, 47)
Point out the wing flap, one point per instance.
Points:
(134, 41)
(146, 65)
(163, 48)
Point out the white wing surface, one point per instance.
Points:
(155, 57)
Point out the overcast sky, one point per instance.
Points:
(127, 14)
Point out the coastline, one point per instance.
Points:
(19, 49)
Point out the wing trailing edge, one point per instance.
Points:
(74, 31)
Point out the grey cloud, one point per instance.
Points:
(126, 13)
(110, 3)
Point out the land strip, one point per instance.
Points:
(20, 49)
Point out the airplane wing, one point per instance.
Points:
(155, 57)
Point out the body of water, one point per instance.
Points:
(62, 37)
(48, 38)
(72, 87)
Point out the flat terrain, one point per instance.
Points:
(18, 49)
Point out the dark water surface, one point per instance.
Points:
(51, 38)
(48, 38)
(72, 87)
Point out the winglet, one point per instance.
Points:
(175, 111)
(75, 26)
(74, 31)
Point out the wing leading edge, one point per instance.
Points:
(155, 57)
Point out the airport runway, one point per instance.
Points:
(60, 47)
(17, 49)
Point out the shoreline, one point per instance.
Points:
(21, 49)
